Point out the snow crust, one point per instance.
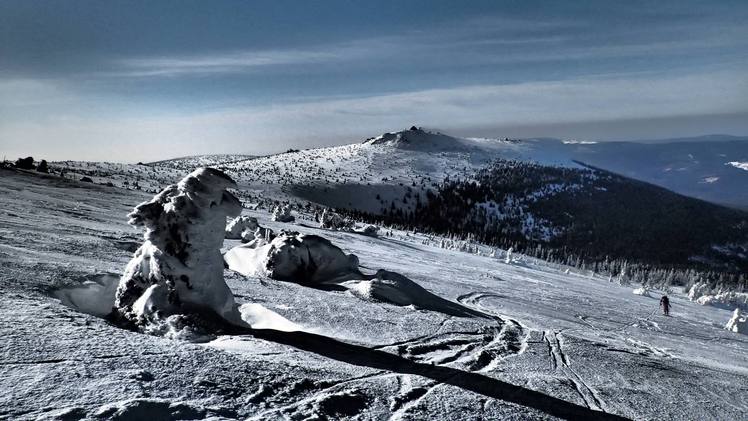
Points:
(179, 267)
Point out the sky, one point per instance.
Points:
(129, 81)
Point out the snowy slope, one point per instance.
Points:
(559, 344)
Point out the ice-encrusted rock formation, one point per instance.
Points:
(307, 259)
(179, 268)
(738, 323)
(237, 226)
(282, 214)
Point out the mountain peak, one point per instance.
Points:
(419, 139)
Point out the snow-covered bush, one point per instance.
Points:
(179, 268)
(369, 230)
(333, 221)
(697, 290)
(644, 292)
(738, 323)
(728, 300)
(238, 225)
(282, 214)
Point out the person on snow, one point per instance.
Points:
(665, 304)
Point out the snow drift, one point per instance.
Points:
(94, 296)
(179, 268)
(394, 288)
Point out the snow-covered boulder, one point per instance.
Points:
(727, 300)
(333, 221)
(238, 225)
(305, 259)
(738, 323)
(282, 214)
(644, 292)
(179, 268)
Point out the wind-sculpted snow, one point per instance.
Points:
(394, 288)
(179, 269)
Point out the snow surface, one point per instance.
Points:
(557, 344)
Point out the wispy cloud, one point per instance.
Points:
(473, 43)
(229, 62)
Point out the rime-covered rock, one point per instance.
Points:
(179, 268)
(306, 259)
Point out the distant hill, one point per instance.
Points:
(590, 212)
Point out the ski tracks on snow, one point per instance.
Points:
(560, 362)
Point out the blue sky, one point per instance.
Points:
(146, 80)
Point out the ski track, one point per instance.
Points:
(560, 362)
